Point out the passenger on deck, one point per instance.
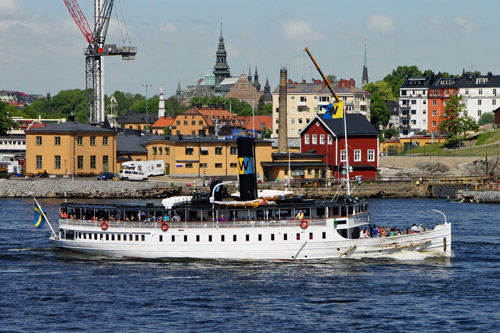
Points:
(414, 229)
(300, 215)
(176, 218)
(382, 232)
(375, 231)
(222, 218)
(421, 228)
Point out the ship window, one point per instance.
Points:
(285, 236)
(112, 237)
(130, 237)
(324, 235)
(260, 237)
(84, 236)
(107, 237)
(118, 237)
(197, 238)
(235, 238)
(101, 236)
(136, 238)
(310, 235)
(173, 238)
(161, 238)
(298, 236)
(209, 238)
(143, 238)
(272, 237)
(222, 238)
(248, 238)
(185, 238)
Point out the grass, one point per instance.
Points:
(477, 148)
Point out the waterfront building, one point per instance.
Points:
(70, 148)
(206, 121)
(304, 101)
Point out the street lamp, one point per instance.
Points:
(147, 114)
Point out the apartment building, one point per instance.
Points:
(70, 148)
(304, 101)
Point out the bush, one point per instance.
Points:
(486, 118)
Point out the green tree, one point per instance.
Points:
(332, 77)
(456, 120)
(486, 118)
(6, 123)
(267, 132)
(382, 89)
(266, 109)
(399, 75)
(380, 113)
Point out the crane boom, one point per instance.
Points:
(322, 75)
(79, 18)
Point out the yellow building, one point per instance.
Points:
(199, 156)
(70, 148)
(404, 144)
(198, 120)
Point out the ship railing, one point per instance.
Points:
(113, 225)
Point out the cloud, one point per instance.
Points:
(381, 23)
(11, 8)
(464, 24)
(300, 31)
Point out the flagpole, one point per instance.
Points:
(344, 115)
(45, 217)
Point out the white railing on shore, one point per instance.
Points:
(192, 224)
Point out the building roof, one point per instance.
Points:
(261, 121)
(70, 127)
(163, 122)
(193, 139)
(211, 114)
(132, 117)
(130, 142)
(356, 124)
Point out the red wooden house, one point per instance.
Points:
(326, 136)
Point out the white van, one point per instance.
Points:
(132, 175)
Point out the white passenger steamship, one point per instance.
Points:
(259, 225)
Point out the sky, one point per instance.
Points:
(41, 48)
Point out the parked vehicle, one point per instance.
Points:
(106, 176)
(132, 175)
(150, 168)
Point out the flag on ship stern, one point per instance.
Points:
(39, 218)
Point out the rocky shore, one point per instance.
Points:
(478, 196)
(91, 188)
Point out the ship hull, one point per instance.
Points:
(253, 242)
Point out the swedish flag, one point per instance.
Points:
(39, 219)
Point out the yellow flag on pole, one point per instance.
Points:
(338, 110)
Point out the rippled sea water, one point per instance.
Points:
(48, 289)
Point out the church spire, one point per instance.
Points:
(221, 69)
(179, 90)
(256, 82)
(364, 79)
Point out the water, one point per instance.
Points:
(46, 289)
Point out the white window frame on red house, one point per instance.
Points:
(370, 155)
(343, 156)
(306, 139)
(330, 139)
(321, 139)
(314, 139)
(357, 155)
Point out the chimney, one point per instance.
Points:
(71, 117)
(283, 116)
(303, 81)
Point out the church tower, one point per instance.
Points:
(179, 90)
(256, 82)
(221, 69)
(364, 79)
(161, 104)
